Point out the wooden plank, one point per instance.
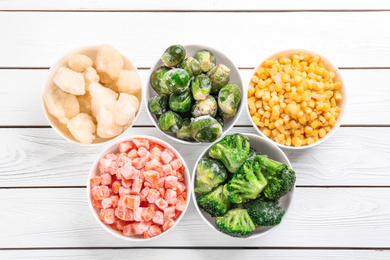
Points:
(365, 97)
(349, 39)
(221, 254)
(39, 157)
(331, 218)
(198, 5)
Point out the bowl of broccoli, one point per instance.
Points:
(243, 185)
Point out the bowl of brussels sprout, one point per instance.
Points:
(194, 94)
(243, 185)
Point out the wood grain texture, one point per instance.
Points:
(198, 5)
(39, 157)
(221, 254)
(365, 90)
(336, 217)
(349, 39)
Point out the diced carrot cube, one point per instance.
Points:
(156, 146)
(132, 201)
(181, 205)
(155, 153)
(132, 154)
(152, 177)
(100, 192)
(170, 182)
(123, 191)
(184, 194)
(141, 142)
(137, 186)
(148, 184)
(153, 206)
(143, 153)
(106, 203)
(126, 183)
(129, 172)
(115, 187)
(176, 164)
(126, 214)
(169, 212)
(144, 225)
(180, 197)
(158, 218)
(107, 216)
(128, 230)
(166, 156)
(170, 196)
(123, 159)
(125, 146)
(152, 165)
(167, 169)
(148, 214)
(180, 188)
(153, 231)
(144, 193)
(97, 204)
(139, 163)
(121, 203)
(153, 196)
(168, 224)
(137, 228)
(177, 214)
(162, 191)
(106, 179)
(161, 182)
(95, 181)
(115, 200)
(105, 162)
(120, 224)
(161, 203)
(138, 213)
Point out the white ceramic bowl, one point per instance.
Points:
(329, 66)
(113, 148)
(235, 78)
(62, 130)
(264, 146)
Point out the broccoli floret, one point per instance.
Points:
(252, 154)
(209, 174)
(264, 212)
(247, 183)
(236, 223)
(280, 178)
(216, 203)
(232, 150)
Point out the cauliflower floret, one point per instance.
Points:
(129, 82)
(101, 98)
(125, 109)
(107, 127)
(82, 128)
(90, 76)
(70, 81)
(109, 63)
(60, 104)
(79, 62)
(85, 103)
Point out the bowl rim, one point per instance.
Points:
(93, 172)
(149, 88)
(253, 236)
(47, 82)
(342, 109)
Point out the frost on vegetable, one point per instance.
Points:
(70, 81)
(229, 98)
(219, 76)
(173, 55)
(184, 132)
(180, 102)
(201, 87)
(209, 174)
(82, 128)
(170, 122)
(158, 104)
(206, 60)
(205, 107)
(191, 65)
(109, 63)
(156, 80)
(205, 129)
(176, 81)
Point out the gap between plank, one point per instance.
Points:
(204, 11)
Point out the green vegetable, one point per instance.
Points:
(156, 80)
(216, 203)
(170, 122)
(200, 87)
(280, 178)
(205, 107)
(176, 80)
(209, 174)
(247, 183)
(264, 212)
(173, 55)
(180, 102)
(206, 60)
(205, 129)
(184, 132)
(158, 104)
(219, 76)
(236, 223)
(220, 120)
(229, 98)
(191, 65)
(252, 154)
(232, 151)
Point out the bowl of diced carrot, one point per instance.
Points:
(139, 188)
(296, 98)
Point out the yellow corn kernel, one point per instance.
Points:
(283, 105)
(302, 120)
(266, 97)
(296, 141)
(337, 85)
(271, 125)
(326, 106)
(332, 102)
(293, 124)
(266, 122)
(297, 132)
(280, 128)
(267, 114)
(274, 132)
(321, 132)
(315, 124)
(285, 78)
(338, 97)
(266, 132)
(274, 100)
(308, 129)
(312, 103)
(258, 104)
(256, 120)
(252, 111)
(260, 111)
(278, 87)
(332, 121)
(259, 93)
(278, 122)
(261, 84)
(251, 91)
(255, 79)
(327, 128)
(308, 110)
(288, 141)
(322, 119)
(313, 116)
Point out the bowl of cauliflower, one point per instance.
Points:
(92, 95)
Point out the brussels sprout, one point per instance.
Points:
(156, 80)
(158, 104)
(184, 132)
(220, 120)
(219, 76)
(200, 87)
(191, 65)
(170, 122)
(205, 107)
(176, 81)
(206, 60)
(180, 102)
(205, 129)
(173, 55)
(229, 98)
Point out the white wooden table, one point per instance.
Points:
(341, 208)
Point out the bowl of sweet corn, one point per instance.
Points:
(296, 98)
